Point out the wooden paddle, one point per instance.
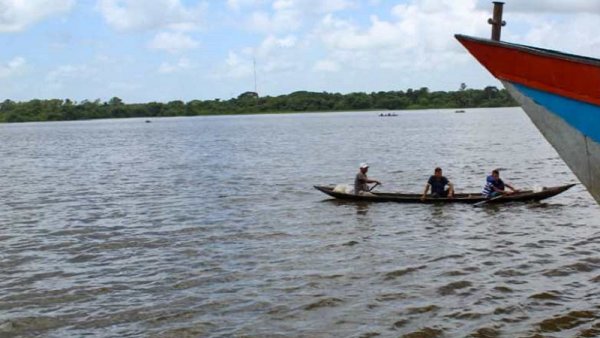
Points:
(373, 187)
(478, 204)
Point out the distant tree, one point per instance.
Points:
(249, 102)
(116, 108)
(490, 92)
(115, 101)
(174, 108)
(248, 95)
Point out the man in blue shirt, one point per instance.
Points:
(438, 183)
(494, 186)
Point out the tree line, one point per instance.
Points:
(251, 103)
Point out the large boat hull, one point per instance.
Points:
(559, 92)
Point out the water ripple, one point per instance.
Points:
(209, 227)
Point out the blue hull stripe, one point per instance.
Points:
(582, 116)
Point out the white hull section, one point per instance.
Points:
(580, 153)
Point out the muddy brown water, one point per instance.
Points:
(210, 227)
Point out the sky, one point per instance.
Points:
(164, 50)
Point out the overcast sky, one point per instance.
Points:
(162, 50)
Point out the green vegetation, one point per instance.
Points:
(250, 103)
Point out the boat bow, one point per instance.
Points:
(560, 93)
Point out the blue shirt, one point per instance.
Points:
(490, 183)
(437, 184)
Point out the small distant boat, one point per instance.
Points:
(387, 115)
(148, 121)
(468, 198)
(459, 111)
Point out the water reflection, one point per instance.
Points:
(362, 208)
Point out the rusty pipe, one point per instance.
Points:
(497, 21)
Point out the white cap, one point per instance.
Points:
(364, 165)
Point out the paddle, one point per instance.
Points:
(478, 204)
(373, 187)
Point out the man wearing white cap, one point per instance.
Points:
(361, 181)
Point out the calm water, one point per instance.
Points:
(210, 227)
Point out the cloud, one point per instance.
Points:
(417, 36)
(121, 87)
(308, 7)
(69, 72)
(326, 66)
(279, 22)
(141, 15)
(404, 42)
(273, 55)
(291, 15)
(338, 34)
(173, 42)
(238, 5)
(272, 45)
(236, 67)
(547, 6)
(280, 54)
(14, 66)
(568, 26)
(169, 68)
(575, 33)
(16, 15)
(335, 45)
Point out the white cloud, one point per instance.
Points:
(336, 45)
(291, 15)
(575, 33)
(238, 5)
(120, 87)
(568, 26)
(312, 6)
(173, 42)
(547, 6)
(281, 65)
(14, 66)
(70, 72)
(16, 15)
(236, 67)
(279, 22)
(413, 38)
(169, 68)
(343, 35)
(281, 55)
(273, 55)
(326, 66)
(139, 15)
(272, 45)
(404, 43)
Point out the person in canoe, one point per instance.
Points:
(494, 186)
(361, 181)
(437, 183)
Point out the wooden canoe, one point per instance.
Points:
(521, 196)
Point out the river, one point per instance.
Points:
(210, 227)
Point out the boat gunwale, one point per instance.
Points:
(534, 50)
(467, 198)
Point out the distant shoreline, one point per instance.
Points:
(250, 103)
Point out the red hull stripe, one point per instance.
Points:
(566, 75)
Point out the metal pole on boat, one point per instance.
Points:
(497, 21)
